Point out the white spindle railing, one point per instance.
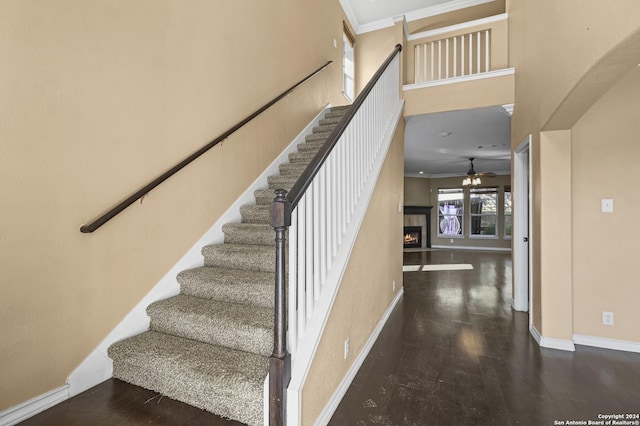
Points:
(441, 59)
(325, 221)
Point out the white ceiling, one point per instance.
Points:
(483, 133)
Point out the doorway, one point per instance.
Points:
(522, 226)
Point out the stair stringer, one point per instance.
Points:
(308, 344)
(97, 366)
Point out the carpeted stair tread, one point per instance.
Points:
(301, 157)
(220, 380)
(264, 196)
(293, 169)
(284, 182)
(317, 137)
(258, 213)
(240, 256)
(249, 233)
(333, 120)
(336, 113)
(311, 146)
(230, 285)
(327, 128)
(240, 327)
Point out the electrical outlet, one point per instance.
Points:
(451, 240)
(393, 286)
(607, 318)
(347, 348)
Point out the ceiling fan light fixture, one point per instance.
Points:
(472, 178)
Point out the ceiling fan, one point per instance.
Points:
(472, 177)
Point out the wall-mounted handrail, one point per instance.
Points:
(110, 214)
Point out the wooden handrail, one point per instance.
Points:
(280, 219)
(298, 189)
(97, 223)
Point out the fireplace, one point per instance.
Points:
(412, 237)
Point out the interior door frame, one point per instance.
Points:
(522, 225)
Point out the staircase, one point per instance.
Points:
(209, 346)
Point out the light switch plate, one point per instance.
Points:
(607, 205)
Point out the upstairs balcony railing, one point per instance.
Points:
(458, 51)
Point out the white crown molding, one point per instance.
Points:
(375, 25)
(601, 342)
(30, 408)
(450, 6)
(458, 27)
(508, 109)
(462, 79)
(409, 16)
(350, 14)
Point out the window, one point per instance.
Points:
(484, 212)
(450, 212)
(507, 211)
(348, 67)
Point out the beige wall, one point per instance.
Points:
(491, 8)
(366, 289)
(566, 54)
(466, 95)
(604, 154)
(424, 192)
(371, 50)
(99, 98)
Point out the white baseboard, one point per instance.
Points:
(98, 367)
(504, 249)
(30, 408)
(335, 399)
(550, 342)
(601, 342)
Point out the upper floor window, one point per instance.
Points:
(450, 212)
(484, 211)
(348, 65)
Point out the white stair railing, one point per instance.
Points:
(456, 56)
(324, 210)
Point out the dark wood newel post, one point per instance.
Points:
(280, 360)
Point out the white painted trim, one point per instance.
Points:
(30, 408)
(350, 14)
(446, 7)
(462, 79)
(535, 333)
(457, 27)
(521, 228)
(601, 342)
(550, 342)
(504, 249)
(98, 367)
(308, 344)
(415, 15)
(335, 399)
(375, 25)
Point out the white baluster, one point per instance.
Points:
(478, 54)
(301, 260)
(487, 52)
(308, 279)
(416, 69)
(292, 302)
(462, 55)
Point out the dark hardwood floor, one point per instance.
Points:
(452, 353)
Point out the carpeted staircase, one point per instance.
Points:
(209, 345)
